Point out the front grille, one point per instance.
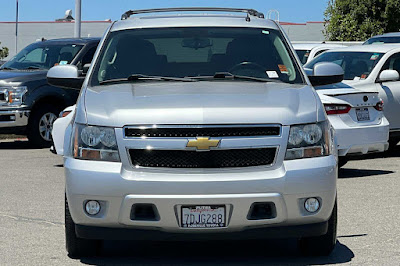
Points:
(202, 131)
(207, 159)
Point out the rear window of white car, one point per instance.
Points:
(356, 65)
(196, 51)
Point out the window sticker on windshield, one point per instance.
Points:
(272, 74)
(374, 57)
(364, 76)
(283, 69)
(63, 63)
(356, 78)
(265, 32)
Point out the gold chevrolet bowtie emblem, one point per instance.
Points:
(203, 143)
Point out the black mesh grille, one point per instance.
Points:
(203, 131)
(207, 159)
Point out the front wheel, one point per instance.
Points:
(41, 124)
(321, 245)
(78, 247)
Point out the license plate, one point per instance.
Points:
(207, 216)
(362, 114)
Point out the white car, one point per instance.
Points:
(58, 131)
(371, 68)
(308, 51)
(182, 132)
(358, 119)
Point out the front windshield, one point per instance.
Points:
(356, 65)
(196, 52)
(382, 40)
(43, 55)
(303, 55)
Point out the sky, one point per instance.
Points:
(48, 10)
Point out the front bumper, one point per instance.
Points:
(361, 139)
(14, 118)
(117, 189)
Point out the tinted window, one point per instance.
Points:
(356, 65)
(303, 55)
(193, 52)
(380, 40)
(393, 63)
(43, 56)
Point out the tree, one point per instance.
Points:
(358, 20)
(3, 52)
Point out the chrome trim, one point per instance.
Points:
(21, 118)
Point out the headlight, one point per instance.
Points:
(311, 140)
(13, 96)
(94, 143)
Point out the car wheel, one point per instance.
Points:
(78, 247)
(321, 245)
(41, 124)
(342, 161)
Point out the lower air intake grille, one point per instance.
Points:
(208, 159)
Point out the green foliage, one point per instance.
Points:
(358, 20)
(3, 52)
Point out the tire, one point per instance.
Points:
(38, 127)
(393, 143)
(321, 245)
(342, 161)
(78, 247)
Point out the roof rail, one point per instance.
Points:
(249, 12)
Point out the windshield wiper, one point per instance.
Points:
(137, 77)
(227, 75)
(8, 68)
(34, 68)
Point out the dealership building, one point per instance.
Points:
(29, 32)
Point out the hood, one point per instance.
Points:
(203, 102)
(20, 76)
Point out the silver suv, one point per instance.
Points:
(198, 126)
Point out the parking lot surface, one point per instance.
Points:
(32, 220)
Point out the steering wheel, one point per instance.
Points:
(247, 66)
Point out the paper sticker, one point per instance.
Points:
(63, 63)
(364, 76)
(374, 57)
(356, 78)
(283, 69)
(272, 74)
(265, 32)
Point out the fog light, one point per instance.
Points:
(92, 207)
(311, 204)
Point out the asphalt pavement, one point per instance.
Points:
(32, 220)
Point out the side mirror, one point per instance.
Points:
(325, 73)
(65, 76)
(388, 75)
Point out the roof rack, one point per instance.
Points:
(249, 12)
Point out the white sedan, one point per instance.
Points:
(358, 120)
(373, 68)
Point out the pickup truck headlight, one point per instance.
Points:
(310, 140)
(94, 143)
(12, 96)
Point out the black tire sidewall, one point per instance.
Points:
(33, 125)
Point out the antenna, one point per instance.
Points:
(273, 14)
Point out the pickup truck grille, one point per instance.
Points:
(200, 131)
(207, 159)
